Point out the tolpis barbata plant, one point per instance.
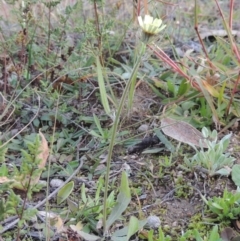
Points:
(150, 25)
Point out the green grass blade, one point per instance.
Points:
(102, 88)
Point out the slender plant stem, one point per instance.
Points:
(49, 36)
(114, 132)
(99, 37)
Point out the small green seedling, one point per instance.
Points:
(214, 159)
(213, 235)
(226, 208)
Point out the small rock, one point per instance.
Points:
(174, 224)
(143, 128)
(55, 183)
(180, 174)
(153, 222)
(127, 168)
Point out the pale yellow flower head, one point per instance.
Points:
(151, 26)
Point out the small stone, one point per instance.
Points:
(133, 157)
(153, 222)
(55, 183)
(143, 128)
(127, 168)
(174, 224)
(180, 174)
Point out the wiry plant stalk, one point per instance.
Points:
(49, 37)
(113, 137)
(164, 57)
(99, 39)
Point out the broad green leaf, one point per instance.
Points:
(183, 88)
(188, 105)
(171, 87)
(123, 199)
(164, 140)
(205, 132)
(196, 235)
(36, 122)
(154, 150)
(60, 143)
(161, 234)
(156, 91)
(121, 234)
(160, 84)
(87, 236)
(209, 100)
(236, 174)
(216, 205)
(72, 205)
(150, 235)
(225, 141)
(224, 171)
(98, 124)
(111, 199)
(103, 93)
(3, 170)
(132, 227)
(83, 193)
(214, 235)
(94, 133)
(64, 192)
(90, 61)
(221, 92)
(3, 151)
(132, 90)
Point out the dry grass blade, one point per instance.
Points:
(182, 132)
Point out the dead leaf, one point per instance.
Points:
(182, 132)
(14, 183)
(236, 224)
(77, 227)
(4, 180)
(227, 234)
(43, 155)
(211, 89)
